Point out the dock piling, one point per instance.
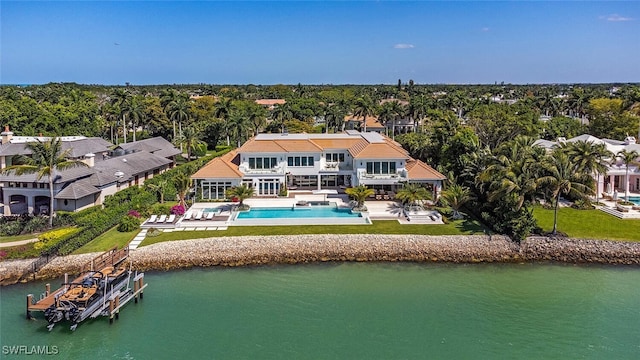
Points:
(29, 297)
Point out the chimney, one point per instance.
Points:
(89, 159)
(6, 135)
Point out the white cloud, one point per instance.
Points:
(403, 46)
(616, 18)
(485, 29)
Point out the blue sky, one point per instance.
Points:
(290, 42)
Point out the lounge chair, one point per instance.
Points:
(162, 218)
(198, 216)
(171, 218)
(210, 215)
(187, 216)
(152, 218)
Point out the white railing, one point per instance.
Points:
(366, 176)
(275, 170)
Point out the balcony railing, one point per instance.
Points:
(400, 176)
(276, 170)
(336, 166)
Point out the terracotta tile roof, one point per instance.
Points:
(261, 146)
(358, 147)
(420, 171)
(380, 151)
(222, 167)
(270, 102)
(343, 143)
(372, 121)
(298, 145)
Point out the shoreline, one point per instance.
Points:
(294, 249)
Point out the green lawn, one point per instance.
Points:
(5, 239)
(108, 240)
(593, 224)
(460, 227)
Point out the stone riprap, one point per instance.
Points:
(258, 250)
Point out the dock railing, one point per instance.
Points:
(110, 257)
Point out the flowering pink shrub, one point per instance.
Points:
(2, 254)
(133, 213)
(177, 210)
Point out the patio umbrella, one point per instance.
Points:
(325, 192)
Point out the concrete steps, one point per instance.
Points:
(138, 239)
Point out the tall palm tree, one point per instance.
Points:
(418, 108)
(180, 111)
(168, 97)
(238, 127)
(137, 113)
(412, 195)
(455, 196)
(280, 114)
(223, 108)
(590, 158)
(628, 158)
(46, 161)
(563, 178)
(190, 138)
(122, 99)
(364, 107)
(334, 118)
(359, 193)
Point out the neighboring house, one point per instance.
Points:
(614, 179)
(355, 123)
(270, 104)
(107, 171)
(267, 162)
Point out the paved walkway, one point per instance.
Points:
(17, 243)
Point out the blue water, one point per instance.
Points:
(297, 213)
(635, 199)
(354, 311)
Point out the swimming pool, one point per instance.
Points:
(633, 199)
(297, 213)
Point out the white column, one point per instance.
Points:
(319, 181)
(30, 204)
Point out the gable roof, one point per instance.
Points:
(380, 151)
(259, 146)
(221, 167)
(129, 164)
(418, 170)
(77, 190)
(60, 176)
(156, 145)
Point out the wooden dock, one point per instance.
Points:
(111, 257)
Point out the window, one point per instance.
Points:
(334, 157)
(381, 167)
(262, 163)
(300, 161)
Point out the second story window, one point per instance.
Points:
(300, 161)
(381, 167)
(334, 157)
(262, 163)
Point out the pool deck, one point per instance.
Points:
(225, 214)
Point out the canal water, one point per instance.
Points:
(353, 311)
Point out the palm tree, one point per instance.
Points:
(455, 197)
(159, 187)
(223, 108)
(280, 114)
(137, 113)
(182, 183)
(628, 158)
(413, 195)
(590, 158)
(190, 138)
(168, 97)
(46, 161)
(122, 99)
(364, 107)
(241, 193)
(238, 127)
(334, 118)
(359, 194)
(563, 178)
(180, 111)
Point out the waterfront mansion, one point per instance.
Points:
(269, 162)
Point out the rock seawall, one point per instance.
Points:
(258, 250)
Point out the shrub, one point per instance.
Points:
(35, 224)
(177, 210)
(129, 223)
(51, 238)
(153, 232)
(133, 213)
(11, 228)
(161, 209)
